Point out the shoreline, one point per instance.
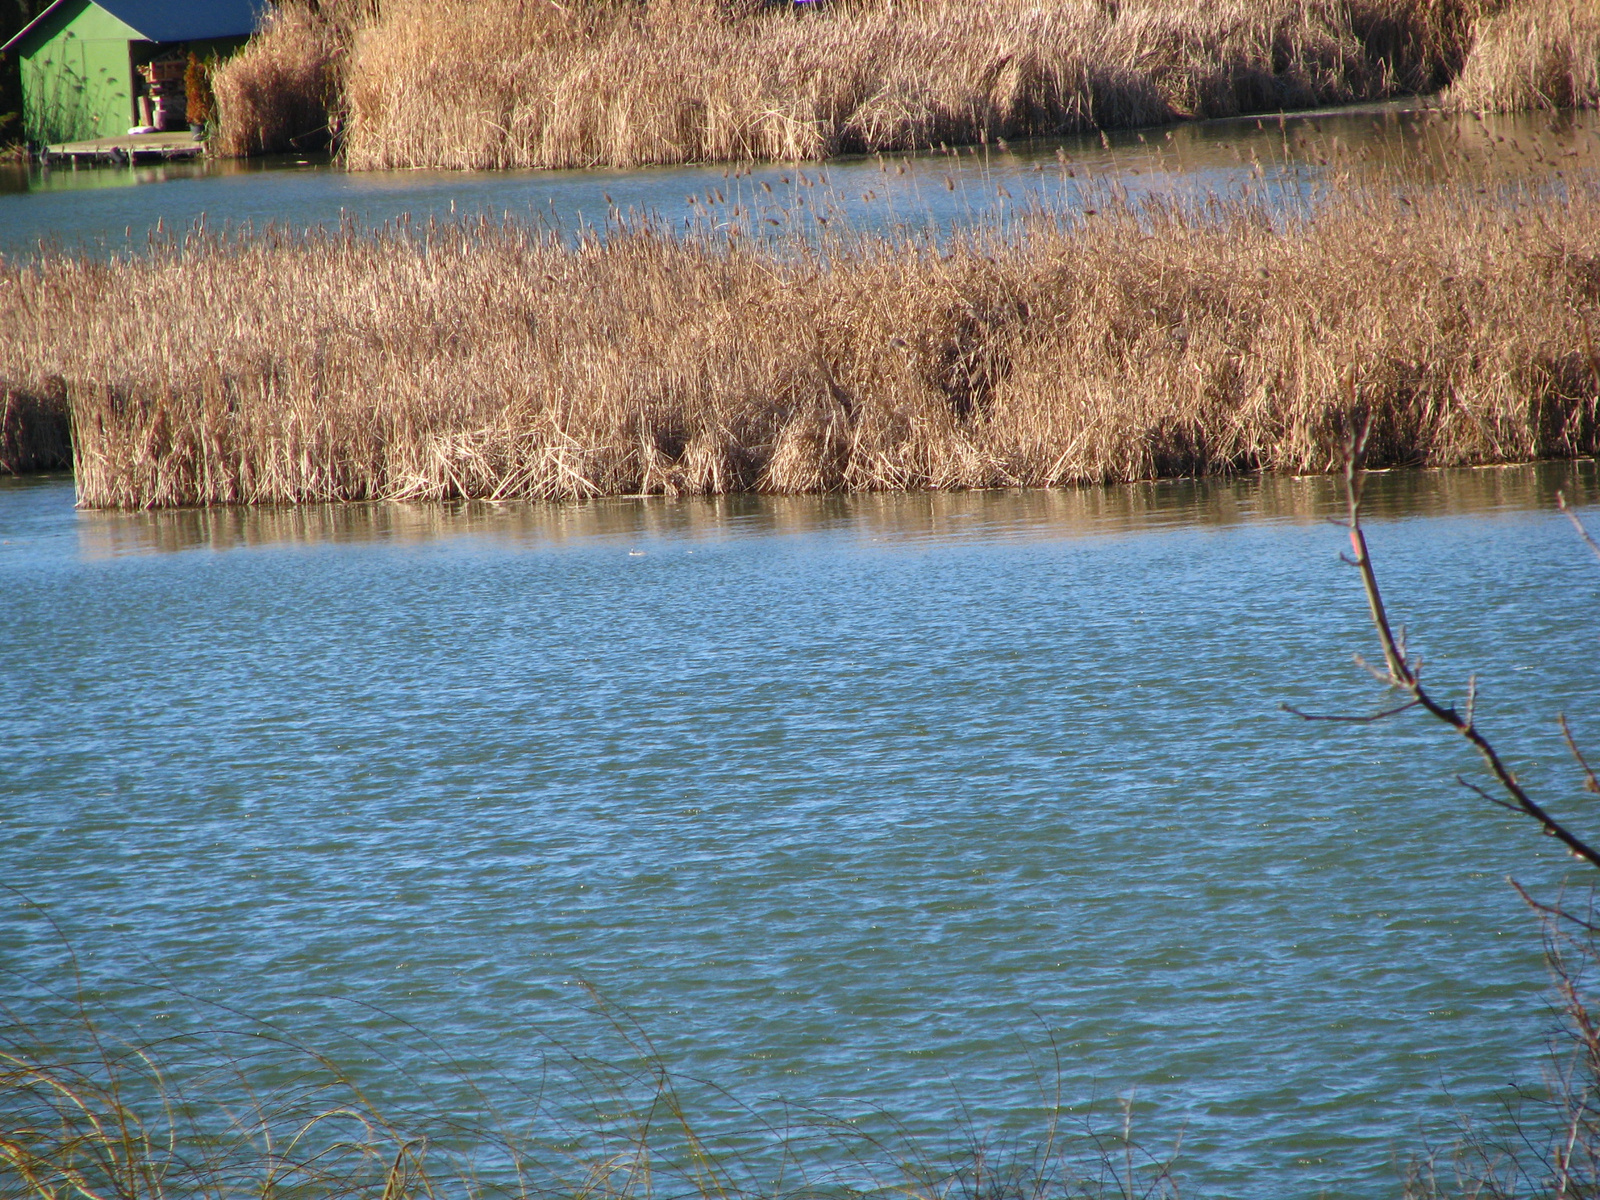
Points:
(64, 475)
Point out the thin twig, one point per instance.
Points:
(1486, 794)
(1555, 911)
(1590, 783)
(1561, 503)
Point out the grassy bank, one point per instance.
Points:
(535, 83)
(489, 359)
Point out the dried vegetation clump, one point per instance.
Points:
(489, 359)
(35, 427)
(282, 91)
(1543, 54)
(535, 83)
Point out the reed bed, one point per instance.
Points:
(491, 359)
(536, 83)
(276, 94)
(282, 91)
(1543, 54)
(35, 427)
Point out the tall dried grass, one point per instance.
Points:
(113, 1118)
(1544, 54)
(489, 359)
(536, 83)
(35, 427)
(282, 91)
(535, 87)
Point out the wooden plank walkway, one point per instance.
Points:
(134, 148)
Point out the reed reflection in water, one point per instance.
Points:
(938, 516)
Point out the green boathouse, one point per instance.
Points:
(86, 63)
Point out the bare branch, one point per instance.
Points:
(1561, 503)
(1381, 676)
(1403, 674)
(1354, 465)
(1556, 911)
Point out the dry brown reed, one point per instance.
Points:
(281, 92)
(491, 360)
(536, 83)
(115, 1122)
(1544, 54)
(35, 428)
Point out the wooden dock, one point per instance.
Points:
(134, 148)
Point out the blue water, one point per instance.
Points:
(113, 210)
(906, 810)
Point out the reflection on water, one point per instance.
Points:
(930, 516)
(20, 178)
(102, 209)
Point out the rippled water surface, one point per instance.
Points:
(116, 209)
(904, 808)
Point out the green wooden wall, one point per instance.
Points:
(76, 77)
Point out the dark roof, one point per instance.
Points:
(172, 20)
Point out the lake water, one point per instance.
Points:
(905, 810)
(114, 209)
(916, 813)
